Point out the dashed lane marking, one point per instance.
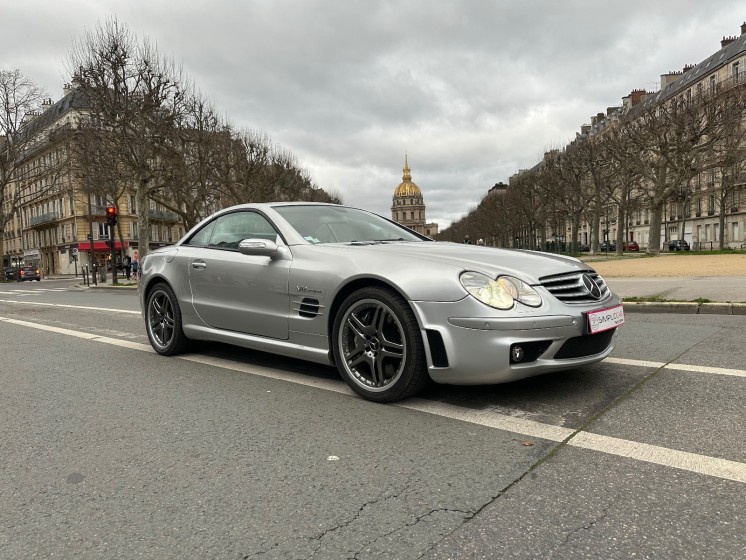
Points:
(673, 458)
(679, 367)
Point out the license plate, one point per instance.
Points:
(605, 319)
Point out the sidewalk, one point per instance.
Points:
(721, 295)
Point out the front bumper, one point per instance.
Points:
(477, 342)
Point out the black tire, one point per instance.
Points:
(378, 347)
(163, 321)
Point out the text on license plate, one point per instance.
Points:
(605, 319)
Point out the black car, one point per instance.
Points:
(9, 272)
(607, 246)
(29, 273)
(678, 245)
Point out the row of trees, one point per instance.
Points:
(146, 130)
(652, 154)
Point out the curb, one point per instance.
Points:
(685, 307)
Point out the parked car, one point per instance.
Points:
(607, 246)
(9, 272)
(631, 246)
(29, 273)
(678, 245)
(391, 308)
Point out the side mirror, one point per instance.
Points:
(258, 247)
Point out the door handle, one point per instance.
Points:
(199, 264)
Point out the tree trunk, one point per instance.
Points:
(656, 218)
(143, 221)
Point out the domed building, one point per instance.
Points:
(408, 205)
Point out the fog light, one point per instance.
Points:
(516, 353)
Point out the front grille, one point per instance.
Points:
(588, 345)
(569, 287)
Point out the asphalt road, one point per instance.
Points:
(110, 451)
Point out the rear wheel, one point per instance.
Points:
(377, 346)
(163, 321)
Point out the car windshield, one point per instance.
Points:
(339, 224)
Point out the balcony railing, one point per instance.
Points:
(697, 214)
(711, 212)
(163, 215)
(43, 219)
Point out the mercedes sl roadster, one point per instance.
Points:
(392, 309)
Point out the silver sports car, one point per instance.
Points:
(390, 308)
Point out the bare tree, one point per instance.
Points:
(201, 140)
(728, 154)
(20, 100)
(565, 181)
(669, 140)
(136, 96)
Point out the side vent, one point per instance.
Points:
(308, 307)
(437, 348)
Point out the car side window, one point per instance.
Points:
(232, 228)
(202, 237)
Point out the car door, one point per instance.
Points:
(236, 292)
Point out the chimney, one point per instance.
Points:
(727, 41)
(668, 79)
(637, 96)
(688, 67)
(585, 129)
(743, 28)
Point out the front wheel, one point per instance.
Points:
(163, 321)
(377, 346)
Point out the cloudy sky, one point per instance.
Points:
(471, 90)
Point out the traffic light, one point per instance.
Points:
(111, 215)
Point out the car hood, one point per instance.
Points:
(526, 265)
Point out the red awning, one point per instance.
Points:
(100, 246)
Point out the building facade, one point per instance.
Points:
(408, 205)
(694, 212)
(58, 226)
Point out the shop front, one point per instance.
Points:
(101, 254)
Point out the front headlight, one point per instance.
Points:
(501, 293)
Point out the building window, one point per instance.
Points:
(411, 214)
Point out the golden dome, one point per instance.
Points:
(407, 187)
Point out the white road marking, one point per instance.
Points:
(678, 367)
(640, 363)
(23, 292)
(682, 460)
(707, 369)
(70, 306)
(81, 334)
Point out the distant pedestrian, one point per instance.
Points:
(127, 261)
(467, 240)
(134, 268)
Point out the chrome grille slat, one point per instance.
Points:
(307, 307)
(569, 287)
